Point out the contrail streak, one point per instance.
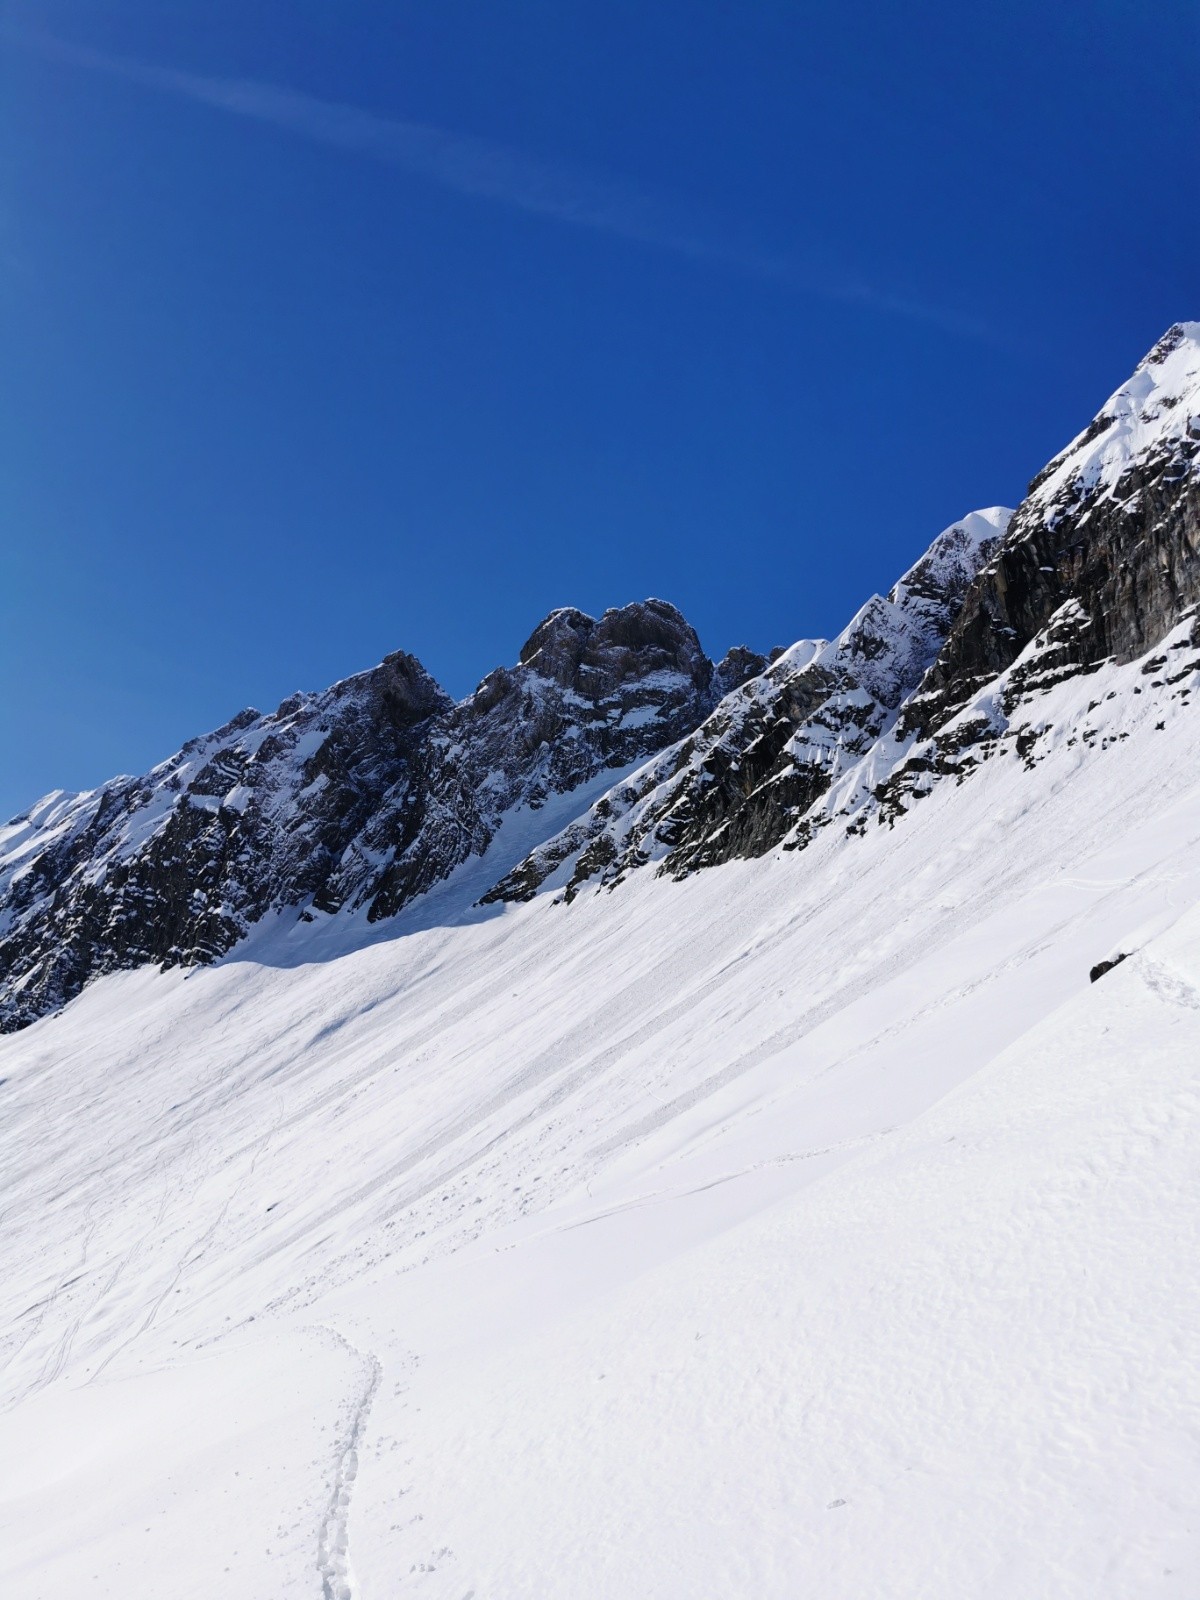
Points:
(483, 170)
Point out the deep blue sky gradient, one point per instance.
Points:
(271, 408)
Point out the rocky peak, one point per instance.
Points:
(1110, 525)
(361, 797)
(555, 647)
(587, 696)
(777, 741)
(407, 692)
(595, 657)
(737, 666)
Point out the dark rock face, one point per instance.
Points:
(1102, 967)
(361, 797)
(1101, 561)
(174, 866)
(739, 785)
(587, 696)
(596, 658)
(737, 667)
(1110, 530)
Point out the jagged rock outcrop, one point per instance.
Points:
(1101, 561)
(361, 797)
(173, 867)
(1098, 563)
(586, 696)
(772, 748)
(1106, 543)
(1101, 967)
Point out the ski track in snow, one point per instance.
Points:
(333, 1543)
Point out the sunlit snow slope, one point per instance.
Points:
(811, 1226)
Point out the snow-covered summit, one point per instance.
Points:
(1157, 408)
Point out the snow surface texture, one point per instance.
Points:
(811, 1225)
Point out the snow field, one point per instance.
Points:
(811, 1226)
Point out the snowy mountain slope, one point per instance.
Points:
(368, 794)
(963, 1364)
(1101, 560)
(810, 1224)
(372, 793)
(656, 1217)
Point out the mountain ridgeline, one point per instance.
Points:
(615, 745)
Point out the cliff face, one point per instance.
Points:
(773, 747)
(1111, 526)
(173, 866)
(585, 696)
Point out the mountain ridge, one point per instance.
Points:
(1100, 560)
(362, 796)
(365, 796)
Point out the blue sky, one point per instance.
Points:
(332, 329)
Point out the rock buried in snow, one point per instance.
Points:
(1102, 967)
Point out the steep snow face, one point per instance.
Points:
(1153, 414)
(811, 1226)
(774, 747)
(363, 796)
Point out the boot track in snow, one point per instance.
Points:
(333, 1546)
